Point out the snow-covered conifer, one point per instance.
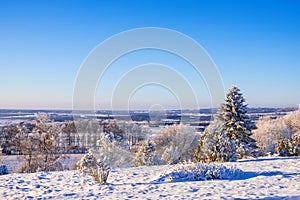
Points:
(230, 131)
(236, 123)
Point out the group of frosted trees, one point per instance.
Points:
(227, 138)
(230, 136)
(279, 136)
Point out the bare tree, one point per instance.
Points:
(39, 146)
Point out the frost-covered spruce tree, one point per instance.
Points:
(236, 123)
(230, 122)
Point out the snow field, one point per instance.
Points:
(263, 178)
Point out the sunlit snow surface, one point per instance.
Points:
(263, 178)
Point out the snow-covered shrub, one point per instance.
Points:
(200, 172)
(97, 169)
(270, 132)
(289, 147)
(292, 120)
(114, 152)
(290, 144)
(215, 146)
(295, 144)
(176, 143)
(3, 170)
(147, 155)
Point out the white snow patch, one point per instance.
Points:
(263, 178)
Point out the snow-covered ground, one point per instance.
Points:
(263, 178)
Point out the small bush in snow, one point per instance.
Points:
(270, 132)
(200, 172)
(97, 169)
(147, 155)
(215, 146)
(3, 170)
(113, 152)
(176, 143)
(289, 147)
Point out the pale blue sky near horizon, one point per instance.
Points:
(255, 45)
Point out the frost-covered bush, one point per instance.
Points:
(114, 152)
(295, 144)
(3, 170)
(292, 120)
(176, 143)
(279, 135)
(147, 155)
(289, 147)
(215, 146)
(200, 172)
(97, 169)
(108, 154)
(270, 132)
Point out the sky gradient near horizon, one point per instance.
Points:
(255, 45)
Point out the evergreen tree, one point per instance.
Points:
(236, 123)
(229, 135)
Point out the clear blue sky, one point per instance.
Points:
(255, 45)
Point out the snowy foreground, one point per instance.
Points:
(263, 178)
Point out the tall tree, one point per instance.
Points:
(230, 122)
(237, 124)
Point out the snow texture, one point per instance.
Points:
(262, 178)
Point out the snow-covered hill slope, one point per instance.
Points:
(263, 178)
